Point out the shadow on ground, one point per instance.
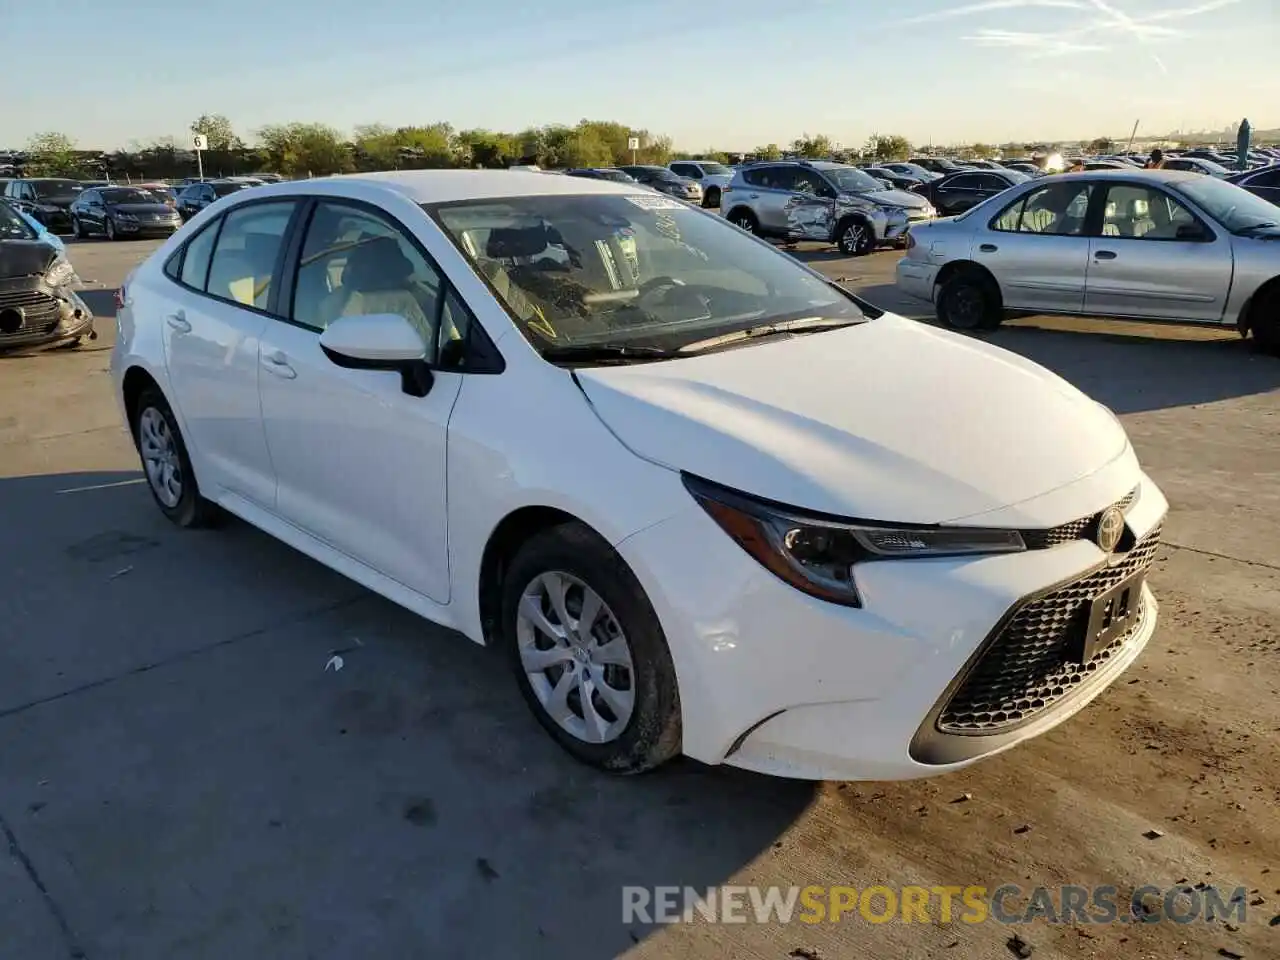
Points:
(189, 775)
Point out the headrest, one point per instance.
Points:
(508, 242)
(377, 264)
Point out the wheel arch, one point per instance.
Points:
(136, 380)
(511, 532)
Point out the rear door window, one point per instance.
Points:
(248, 247)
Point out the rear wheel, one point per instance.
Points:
(166, 464)
(970, 301)
(745, 220)
(855, 237)
(588, 652)
(712, 198)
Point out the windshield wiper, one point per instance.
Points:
(607, 353)
(803, 325)
(1262, 225)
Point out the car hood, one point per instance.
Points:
(886, 420)
(897, 198)
(25, 258)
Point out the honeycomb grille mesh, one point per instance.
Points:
(1029, 666)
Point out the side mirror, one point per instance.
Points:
(1191, 231)
(380, 341)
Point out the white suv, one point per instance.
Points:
(713, 177)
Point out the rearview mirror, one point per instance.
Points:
(380, 341)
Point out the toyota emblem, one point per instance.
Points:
(1110, 529)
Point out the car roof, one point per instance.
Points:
(446, 186)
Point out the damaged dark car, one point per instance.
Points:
(38, 302)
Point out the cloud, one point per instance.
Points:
(995, 5)
(1147, 30)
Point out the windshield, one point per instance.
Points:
(715, 169)
(617, 176)
(129, 195)
(853, 180)
(1016, 176)
(1232, 206)
(631, 269)
(12, 226)
(1216, 169)
(56, 189)
(222, 189)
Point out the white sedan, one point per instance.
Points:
(708, 501)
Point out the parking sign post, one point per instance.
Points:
(633, 144)
(201, 143)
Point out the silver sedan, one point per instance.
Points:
(1151, 245)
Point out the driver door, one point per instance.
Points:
(360, 464)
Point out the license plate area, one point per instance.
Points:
(1112, 615)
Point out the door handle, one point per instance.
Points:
(1104, 255)
(278, 364)
(988, 248)
(179, 322)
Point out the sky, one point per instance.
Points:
(729, 74)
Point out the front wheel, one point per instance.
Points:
(111, 229)
(167, 465)
(76, 230)
(1266, 323)
(970, 301)
(855, 237)
(589, 654)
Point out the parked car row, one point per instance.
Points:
(1141, 244)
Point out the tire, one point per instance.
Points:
(110, 229)
(744, 219)
(636, 736)
(76, 230)
(712, 199)
(970, 301)
(1266, 323)
(855, 237)
(178, 499)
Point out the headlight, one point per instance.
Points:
(60, 273)
(121, 215)
(817, 554)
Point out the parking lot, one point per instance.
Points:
(181, 777)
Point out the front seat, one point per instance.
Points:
(377, 278)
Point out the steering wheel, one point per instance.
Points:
(655, 284)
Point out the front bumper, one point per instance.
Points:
(55, 221)
(148, 228)
(33, 314)
(774, 681)
(917, 277)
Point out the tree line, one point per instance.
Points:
(314, 149)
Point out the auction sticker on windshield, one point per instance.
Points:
(656, 203)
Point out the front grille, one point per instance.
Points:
(1081, 529)
(1029, 666)
(40, 309)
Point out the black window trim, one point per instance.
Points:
(482, 356)
(217, 224)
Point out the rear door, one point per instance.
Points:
(1038, 248)
(219, 298)
(959, 193)
(772, 190)
(1154, 257)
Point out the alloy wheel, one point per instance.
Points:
(576, 657)
(160, 457)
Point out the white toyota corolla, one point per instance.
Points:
(709, 502)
